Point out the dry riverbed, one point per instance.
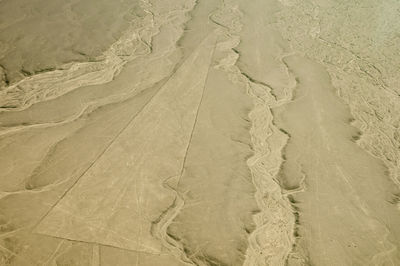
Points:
(158, 133)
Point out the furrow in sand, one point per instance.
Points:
(160, 226)
(138, 179)
(272, 239)
(216, 185)
(32, 182)
(135, 42)
(137, 75)
(62, 165)
(241, 152)
(46, 165)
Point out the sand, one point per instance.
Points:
(150, 132)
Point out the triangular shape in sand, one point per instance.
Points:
(119, 197)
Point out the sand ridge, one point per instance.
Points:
(208, 133)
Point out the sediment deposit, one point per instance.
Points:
(153, 132)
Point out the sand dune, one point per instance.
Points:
(151, 132)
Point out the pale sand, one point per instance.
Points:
(199, 133)
(38, 36)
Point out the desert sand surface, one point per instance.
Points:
(183, 132)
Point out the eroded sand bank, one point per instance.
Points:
(199, 133)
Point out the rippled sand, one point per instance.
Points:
(152, 132)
